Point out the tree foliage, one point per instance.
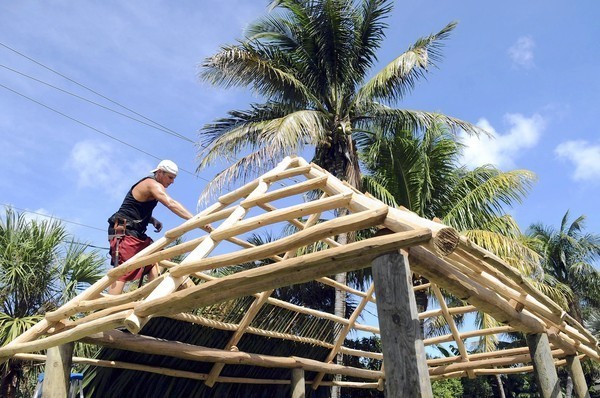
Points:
(569, 255)
(311, 61)
(41, 267)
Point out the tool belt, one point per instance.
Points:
(121, 226)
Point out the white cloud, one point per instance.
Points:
(501, 150)
(521, 53)
(99, 166)
(584, 156)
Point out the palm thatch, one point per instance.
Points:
(107, 382)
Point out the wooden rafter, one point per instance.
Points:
(450, 262)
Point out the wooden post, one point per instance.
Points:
(406, 372)
(298, 385)
(574, 368)
(57, 374)
(543, 365)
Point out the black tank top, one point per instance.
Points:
(137, 214)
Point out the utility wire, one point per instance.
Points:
(57, 218)
(93, 128)
(163, 128)
(87, 88)
(62, 220)
(100, 105)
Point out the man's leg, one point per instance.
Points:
(116, 287)
(153, 274)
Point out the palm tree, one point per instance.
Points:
(421, 171)
(310, 61)
(568, 257)
(38, 272)
(593, 323)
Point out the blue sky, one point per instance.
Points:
(526, 71)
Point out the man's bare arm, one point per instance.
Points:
(159, 192)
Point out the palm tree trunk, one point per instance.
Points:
(10, 381)
(339, 309)
(569, 387)
(501, 393)
(421, 299)
(340, 158)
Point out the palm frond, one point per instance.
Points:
(81, 268)
(501, 237)
(369, 32)
(399, 77)
(486, 343)
(250, 165)
(243, 65)
(560, 293)
(373, 116)
(283, 132)
(482, 193)
(378, 189)
(12, 327)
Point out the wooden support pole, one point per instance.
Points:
(405, 364)
(57, 374)
(298, 389)
(543, 365)
(576, 372)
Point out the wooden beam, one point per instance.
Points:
(444, 239)
(150, 345)
(283, 168)
(284, 214)
(134, 323)
(298, 387)
(249, 316)
(301, 269)
(468, 334)
(453, 329)
(185, 374)
(301, 238)
(490, 258)
(440, 272)
(296, 189)
(57, 373)
(543, 365)
(342, 335)
(495, 359)
(200, 220)
(488, 276)
(578, 377)
(406, 368)
(65, 336)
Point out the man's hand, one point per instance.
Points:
(157, 224)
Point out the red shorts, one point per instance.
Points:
(129, 246)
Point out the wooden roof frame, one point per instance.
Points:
(448, 260)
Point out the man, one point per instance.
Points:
(127, 227)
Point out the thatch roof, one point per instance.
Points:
(112, 382)
(258, 336)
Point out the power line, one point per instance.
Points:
(93, 128)
(65, 221)
(87, 245)
(87, 88)
(163, 128)
(57, 218)
(100, 105)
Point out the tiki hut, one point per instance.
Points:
(228, 319)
